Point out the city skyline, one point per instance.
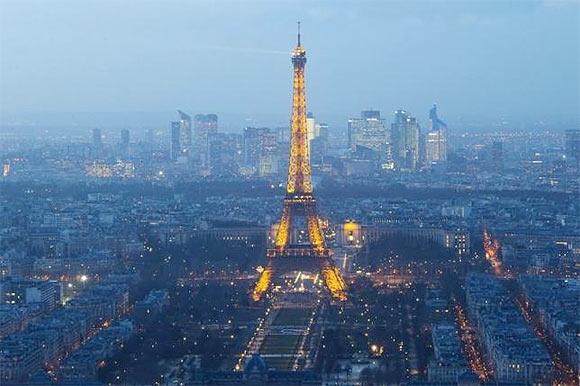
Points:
(407, 251)
(199, 57)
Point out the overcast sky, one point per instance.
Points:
(489, 58)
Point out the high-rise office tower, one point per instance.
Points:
(282, 134)
(319, 145)
(412, 135)
(124, 144)
(185, 146)
(318, 138)
(368, 132)
(283, 139)
(97, 142)
(313, 126)
(261, 150)
(253, 145)
(370, 114)
(405, 132)
(204, 125)
(436, 139)
(268, 155)
(435, 147)
(310, 125)
(496, 156)
(175, 150)
(97, 138)
(323, 130)
(225, 154)
(572, 146)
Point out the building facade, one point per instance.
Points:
(405, 132)
(368, 132)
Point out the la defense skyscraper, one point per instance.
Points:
(436, 141)
(299, 243)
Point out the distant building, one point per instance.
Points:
(318, 139)
(226, 153)
(454, 239)
(311, 126)
(359, 167)
(405, 132)
(368, 132)
(253, 138)
(449, 363)
(124, 144)
(97, 142)
(318, 150)
(18, 359)
(572, 146)
(175, 150)
(556, 302)
(97, 137)
(283, 134)
(6, 169)
(268, 155)
(204, 125)
(5, 268)
(435, 147)
(496, 154)
(350, 234)
(436, 139)
(47, 294)
(515, 352)
(185, 146)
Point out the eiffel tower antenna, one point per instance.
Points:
(298, 34)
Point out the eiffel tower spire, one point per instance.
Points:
(298, 34)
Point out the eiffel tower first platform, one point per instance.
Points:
(299, 243)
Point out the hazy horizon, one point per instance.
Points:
(67, 62)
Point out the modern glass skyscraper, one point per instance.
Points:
(185, 134)
(496, 156)
(225, 154)
(97, 138)
(369, 132)
(573, 146)
(175, 140)
(97, 142)
(405, 133)
(253, 139)
(124, 144)
(204, 125)
(436, 139)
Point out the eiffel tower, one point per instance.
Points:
(299, 243)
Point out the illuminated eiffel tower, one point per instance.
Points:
(299, 243)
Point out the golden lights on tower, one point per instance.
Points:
(299, 200)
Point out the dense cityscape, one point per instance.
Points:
(393, 248)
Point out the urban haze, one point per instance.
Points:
(289, 193)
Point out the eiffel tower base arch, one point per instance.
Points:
(280, 265)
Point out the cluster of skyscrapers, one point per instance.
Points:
(190, 143)
(258, 151)
(263, 151)
(402, 146)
